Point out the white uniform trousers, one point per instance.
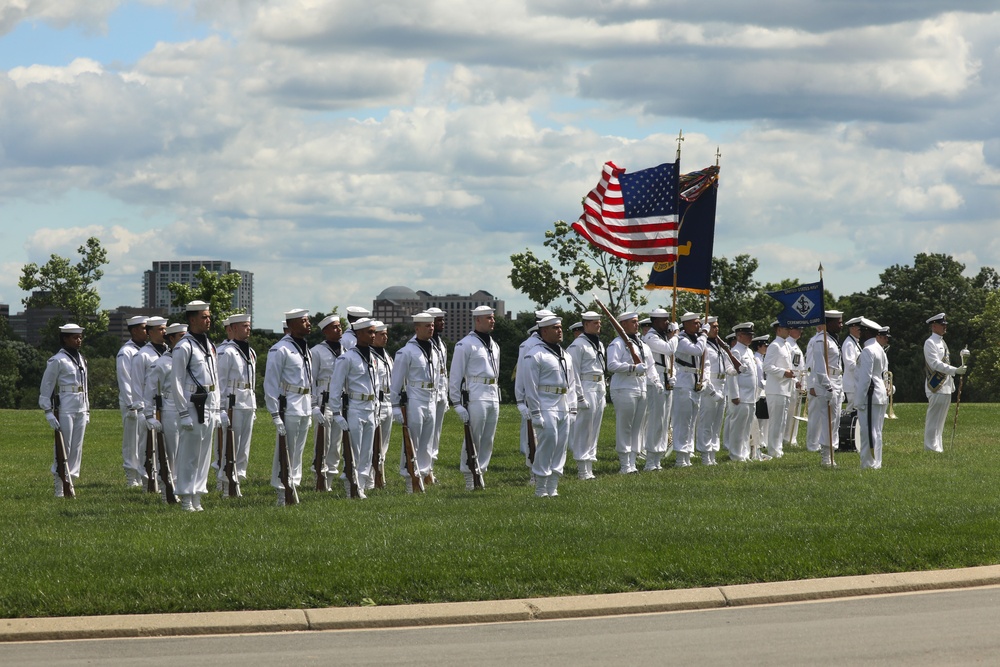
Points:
(684, 417)
(709, 423)
(243, 419)
(777, 412)
(297, 432)
(758, 433)
(937, 414)
(385, 432)
(130, 446)
(440, 408)
(141, 430)
(420, 419)
(739, 420)
(333, 438)
(73, 426)
(483, 425)
(630, 410)
(194, 456)
(171, 437)
(587, 425)
(871, 458)
(361, 420)
(656, 423)
(552, 441)
(818, 429)
(791, 424)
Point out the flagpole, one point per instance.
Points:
(677, 256)
(826, 361)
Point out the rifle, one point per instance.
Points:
(233, 487)
(416, 481)
(284, 463)
(378, 472)
(636, 359)
(729, 351)
(150, 465)
(319, 460)
(471, 456)
(220, 453)
(62, 459)
(532, 443)
(350, 470)
(166, 475)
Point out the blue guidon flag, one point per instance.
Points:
(633, 216)
(803, 305)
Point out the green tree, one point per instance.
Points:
(214, 289)
(579, 266)
(71, 287)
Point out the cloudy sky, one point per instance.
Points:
(336, 148)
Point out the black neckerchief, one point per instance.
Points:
(335, 347)
(160, 348)
(596, 342)
(365, 351)
(558, 351)
(244, 347)
(487, 340)
(302, 347)
(486, 337)
(380, 353)
(425, 347)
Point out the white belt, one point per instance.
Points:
(592, 377)
(685, 369)
(421, 385)
(551, 389)
(835, 373)
(720, 376)
(636, 374)
(355, 396)
(70, 388)
(193, 388)
(481, 380)
(242, 385)
(292, 389)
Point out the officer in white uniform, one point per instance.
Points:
(324, 358)
(662, 344)
(689, 358)
(850, 350)
(155, 346)
(65, 382)
(238, 379)
(354, 313)
(475, 367)
(129, 402)
(758, 432)
(871, 398)
(590, 359)
(629, 381)
(355, 376)
(801, 371)
(741, 392)
(522, 350)
(195, 374)
(939, 382)
(441, 405)
(551, 393)
(779, 389)
(289, 374)
(159, 383)
(415, 371)
(825, 388)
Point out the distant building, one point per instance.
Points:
(154, 283)
(395, 305)
(118, 317)
(29, 324)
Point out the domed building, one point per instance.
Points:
(396, 304)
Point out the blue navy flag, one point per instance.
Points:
(695, 237)
(803, 305)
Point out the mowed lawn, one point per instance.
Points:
(116, 550)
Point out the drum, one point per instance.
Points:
(760, 410)
(849, 432)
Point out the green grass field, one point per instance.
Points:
(116, 550)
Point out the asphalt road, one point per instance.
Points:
(955, 627)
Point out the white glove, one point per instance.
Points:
(280, 425)
(583, 404)
(187, 423)
(51, 419)
(960, 370)
(154, 424)
(86, 417)
(640, 368)
(536, 421)
(397, 415)
(523, 409)
(319, 416)
(672, 381)
(341, 422)
(224, 418)
(132, 414)
(462, 413)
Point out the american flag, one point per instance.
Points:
(633, 216)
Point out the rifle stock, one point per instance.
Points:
(532, 443)
(150, 465)
(350, 469)
(378, 472)
(166, 474)
(621, 333)
(319, 459)
(416, 481)
(62, 458)
(471, 454)
(233, 485)
(284, 462)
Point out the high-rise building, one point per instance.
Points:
(154, 283)
(395, 305)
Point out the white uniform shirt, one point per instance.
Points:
(324, 360)
(416, 372)
(128, 396)
(522, 352)
(357, 377)
(688, 358)
(589, 359)
(777, 360)
(238, 375)
(820, 380)
(622, 367)
(663, 348)
(850, 350)
(194, 365)
(141, 363)
(479, 365)
(288, 373)
(743, 385)
(67, 377)
(872, 365)
(159, 382)
(936, 357)
(551, 383)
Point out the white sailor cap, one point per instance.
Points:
(575, 326)
(552, 320)
(329, 319)
(363, 323)
(689, 316)
(358, 311)
(590, 316)
(627, 316)
(226, 322)
(866, 323)
(136, 321)
(853, 322)
(674, 327)
(834, 315)
(938, 319)
(711, 319)
(176, 328)
(542, 314)
(296, 314)
(238, 318)
(196, 306)
(645, 322)
(480, 311)
(71, 328)
(284, 324)
(155, 322)
(380, 326)
(533, 329)
(743, 327)
(659, 314)
(436, 312)
(423, 318)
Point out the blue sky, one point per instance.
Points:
(338, 148)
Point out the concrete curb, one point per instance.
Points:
(457, 613)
